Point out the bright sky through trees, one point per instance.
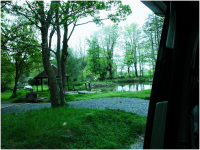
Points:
(139, 14)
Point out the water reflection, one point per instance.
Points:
(134, 87)
(128, 87)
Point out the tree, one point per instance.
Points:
(110, 36)
(101, 50)
(96, 61)
(16, 57)
(152, 29)
(45, 15)
(81, 9)
(131, 37)
(118, 60)
(81, 52)
(128, 57)
(41, 16)
(74, 64)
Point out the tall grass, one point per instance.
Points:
(71, 128)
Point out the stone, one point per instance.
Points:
(31, 97)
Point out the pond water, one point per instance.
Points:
(126, 87)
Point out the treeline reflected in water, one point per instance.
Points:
(134, 87)
(127, 87)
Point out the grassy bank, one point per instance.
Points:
(144, 94)
(84, 128)
(8, 96)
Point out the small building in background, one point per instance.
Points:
(43, 75)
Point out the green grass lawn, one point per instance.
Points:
(45, 87)
(6, 96)
(84, 128)
(144, 94)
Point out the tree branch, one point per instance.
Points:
(51, 35)
(36, 15)
(91, 21)
(71, 31)
(28, 19)
(37, 46)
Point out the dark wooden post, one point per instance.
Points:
(41, 85)
(37, 84)
(89, 86)
(85, 86)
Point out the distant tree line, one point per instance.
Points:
(138, 47)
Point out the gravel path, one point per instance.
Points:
(24, 107)
(134, 105)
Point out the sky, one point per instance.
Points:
(138, 15)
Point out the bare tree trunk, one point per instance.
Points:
(135, 63)
(46, 53)
(140, 61)
(128, 70)
(58, 60)
(15, 87)
(64, 57)
(152, 52)
(110, 70)
(52, 79)
(48, 69)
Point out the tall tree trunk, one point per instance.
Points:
(62, 97)
(135, 66)
(64, 56)
(140, 61)
(152, 53)
(110, 70)
(15, 87)
(135, 63)
(128, 70)
(16, 79)
(157, 26)
(45, 22)
(48, 69)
